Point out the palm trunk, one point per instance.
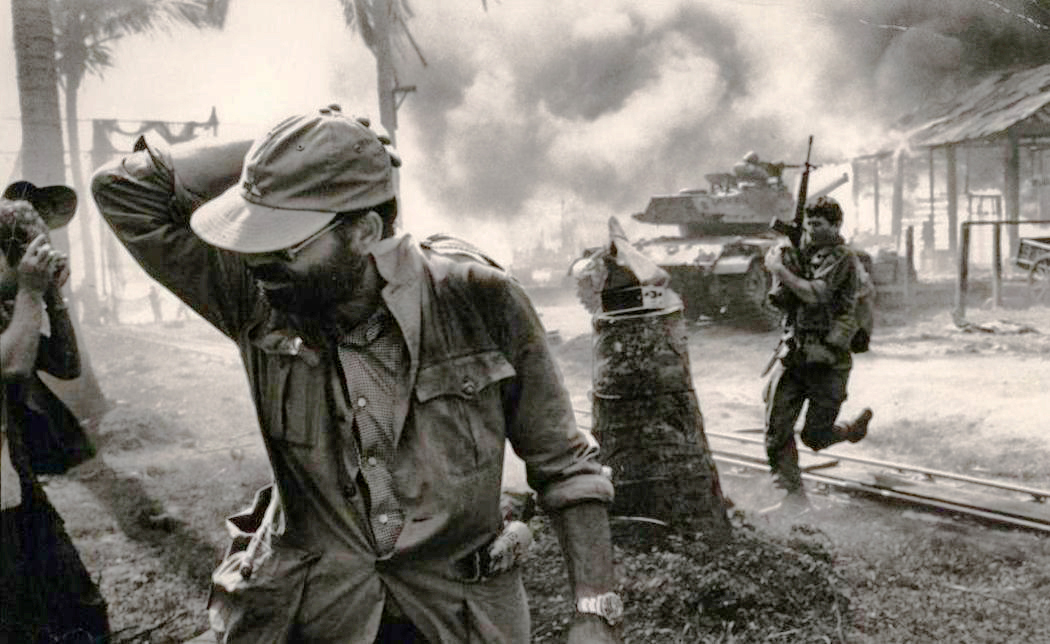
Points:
(647, 418)
(88, 291)
(42, 151)
(38, 92)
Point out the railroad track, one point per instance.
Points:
(987, 500)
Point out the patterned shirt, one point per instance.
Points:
(374, 360)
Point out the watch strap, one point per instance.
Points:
(591, 605)
(607, 606)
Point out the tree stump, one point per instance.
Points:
(647, 419)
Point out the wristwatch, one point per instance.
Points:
(608, 606)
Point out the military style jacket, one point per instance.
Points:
(481, 375)
(832, 271)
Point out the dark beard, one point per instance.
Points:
(316, 293)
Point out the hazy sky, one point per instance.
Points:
(537, 113)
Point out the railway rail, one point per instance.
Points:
(986, 500)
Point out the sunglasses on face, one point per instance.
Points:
(291, 253)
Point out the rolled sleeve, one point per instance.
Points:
(145, 205)
(561, 460)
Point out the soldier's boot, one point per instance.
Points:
(794, 501)
(788, 477)
(856, 429)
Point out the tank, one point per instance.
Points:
(716, 259)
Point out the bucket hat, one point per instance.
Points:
(296, 179)
(56, 205)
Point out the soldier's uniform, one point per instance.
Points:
(816, 364)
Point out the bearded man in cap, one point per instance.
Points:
(386, 377)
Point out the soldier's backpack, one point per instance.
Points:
(865, 309)
(461, 250)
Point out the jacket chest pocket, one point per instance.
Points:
(293, 399)
(459, 411)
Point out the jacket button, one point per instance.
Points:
(469, 388)
(349, 490)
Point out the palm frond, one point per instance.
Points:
(85, 26)
(362, 16)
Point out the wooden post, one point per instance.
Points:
(875, 173)
(1012, 188)
(909, 262)
(929, 242)
(648, 421)
(997, 265)
(931, 181)
(1037, 161)
(961, 284)
(855, 194)
(897, 214)
(953, 198)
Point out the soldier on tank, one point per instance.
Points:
(755, 170)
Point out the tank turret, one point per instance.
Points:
(716, 260)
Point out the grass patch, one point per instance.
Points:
(753, 587)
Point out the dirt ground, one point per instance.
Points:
(179, 447)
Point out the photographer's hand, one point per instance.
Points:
(62, 272)
(21, 339)
(36, 270)
(58, 353)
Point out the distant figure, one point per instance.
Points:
(46, 593)
(154, 303)
(821, 286)
(388, 377)
(753, 169)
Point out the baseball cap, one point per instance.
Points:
(56, 205)
(296, 179)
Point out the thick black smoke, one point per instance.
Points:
(514, 115)
(908, 55)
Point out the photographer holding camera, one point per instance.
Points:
(46, 593)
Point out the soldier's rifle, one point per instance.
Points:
(793, 232)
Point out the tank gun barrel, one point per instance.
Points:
(828, 188)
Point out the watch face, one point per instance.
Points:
(611, 607)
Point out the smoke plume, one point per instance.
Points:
(601, 106)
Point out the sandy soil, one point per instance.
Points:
(180, 448)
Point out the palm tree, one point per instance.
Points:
(38, 92)
(383, 24)
(84, 33)
(42, 152)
